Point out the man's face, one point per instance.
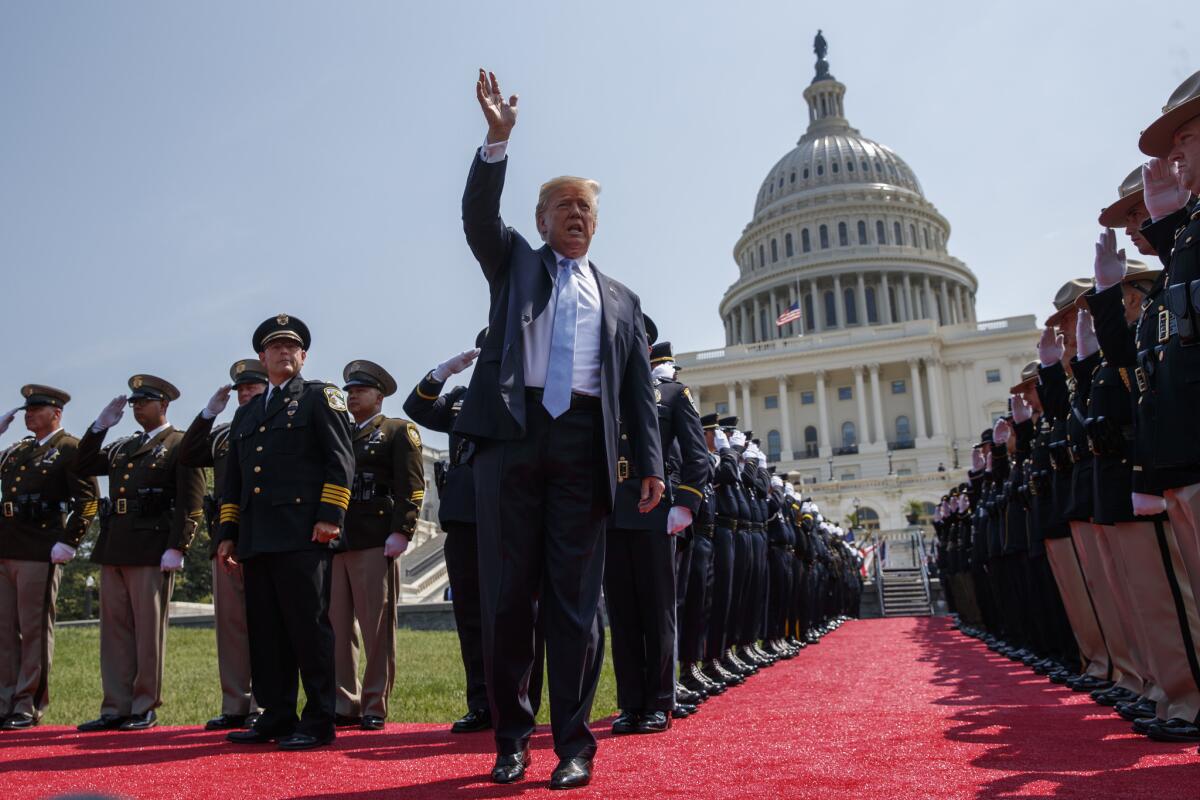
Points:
(568, 221)
(149, 412)
(1067, 328)
(248, 391)
(364, 402)
(1185, 152)
(1133, 224)
(42, 418)
(284, 358)
(710, 439)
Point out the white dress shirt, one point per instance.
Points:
(48, 437)
(585, 378)
(271, 390)
(151, 434)
(360, 425)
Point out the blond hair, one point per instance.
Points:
(561, 182)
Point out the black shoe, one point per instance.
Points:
(1086, 683)
(346, 721)
(107, 722)
(478, 719)
(1138, 709)
(696, 680)
(18, 722)
(719, 675)
(370, 722)
(1174, 730)
(305, 741)
(625, 723)
(139, 722)
(511, 768)
(225, 722)
(571, 773)
(253, 719)
(253, 736)
(680, 711)
(653, 722)
(1142, 725)
(1110, 697)
(687, 696)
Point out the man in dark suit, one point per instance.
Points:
(283, 505)
(563, 364)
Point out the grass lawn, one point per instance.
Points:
(430, 686)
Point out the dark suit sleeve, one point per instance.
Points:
(638, 409)
(428, 407)
(85, 503)
(91, 458)
(726, 473)
(230, 493)
(487, 235)
(195, 449)
(693, 453)
(333, 433)
(1052, 390)
(409, 489)
(189, 505)
(1161, 234)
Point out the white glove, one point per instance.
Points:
(987, 461)
(454, 365)
(395, 545)
(1001, 431)
(977, 461)
(217, 403)
(61, 553)
(111, 414)
(7, 419)
(762, 457)
(1161, 190)
(964, 503)
(1147, 505)
(720, 440)
(1086, 342)
(737, 439)
(678, 518)
(1022, 411)
(1109, 267)
(172, 561)
(1050, 348)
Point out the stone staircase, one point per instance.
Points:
(904, 593)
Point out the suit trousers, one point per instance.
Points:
(364, 590)
(796, 602)
(743, 563)
(684, 551)
(762, 578)
(28, 590)
(233, 642)
(287, 617)
(134, 602)
(1183, 507)
(639, 593)
(541, 502)
(1133, 663)
(462, 567)
(780, 588)
(697, 606)
(722, 593)
(1077, 601)
(1104, 601)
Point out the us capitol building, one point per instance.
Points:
(887, 377)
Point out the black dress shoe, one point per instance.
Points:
(370, 722)
(18, 722)
(304, 741)
(252, 719)
(511, 768)
(571, 773)
(346, 721)
(1139, 709)
(225, 722)
(1142, 725)
(253, 736)
(625, 723)
(139, 722)
(687, 696)
(653, 722)
(680, 711)
(479, 719)
(108, 722)
(1174, 730)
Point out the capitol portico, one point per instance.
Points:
(887, 376)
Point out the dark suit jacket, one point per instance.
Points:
(520, 287)
(428, 406)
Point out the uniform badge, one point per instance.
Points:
(414, 436)
(159, 451)
(282, 319)
(240, 368)
(29, 391)
(137, 382)
(335, 398)
(293, 406)
(48, 457)
(657, 395)
(687, 392)
(375, 437)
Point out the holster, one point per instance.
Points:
(1181, 301)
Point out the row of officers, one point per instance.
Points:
(1075, 546)
(315, 494)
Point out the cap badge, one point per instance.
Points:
(137, 382)
(240, 368)
(282, 319)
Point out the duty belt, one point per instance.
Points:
(730, 523)
(31, 509)
(755, 527)
(144, 506)
(705, 530)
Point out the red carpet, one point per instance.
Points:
(893, 709)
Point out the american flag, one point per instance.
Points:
(792, 314)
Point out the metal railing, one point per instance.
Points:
(918, 543)
(877, 568)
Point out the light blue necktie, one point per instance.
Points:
(561, 367)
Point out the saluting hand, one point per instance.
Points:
(1001, 431)
(7, 419)
(1022, 411)
(1161, 190)
(501, 116)
(1109, 266)
(112, 413)
(454, 364)
(1086, 342)
(325, 532)
(1050, 347)
(652, 492)
(217, 403)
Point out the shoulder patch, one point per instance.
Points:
(335, 398)
(414, 436)
(687, 393)
(657, 395)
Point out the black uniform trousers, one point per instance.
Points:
(723, 561)
(541, 502)
(754, 609)
(462, 567)
(685, 551)
(639, 593)
(743, 563)
(697, 606)
(287, 621)
(780, 586)
(795, 613)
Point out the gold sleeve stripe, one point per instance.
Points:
(197, 514)
(90, 508)
(687, 488)
(230, 512)
(336, 501)
(424, 396)
(228, 517)
(333, 488)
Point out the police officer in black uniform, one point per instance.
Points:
(725, 524)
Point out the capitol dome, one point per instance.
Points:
(843, 232)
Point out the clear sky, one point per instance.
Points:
(173, 173)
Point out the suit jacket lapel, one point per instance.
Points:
(151, 442)
(369, 428)
(281, 398)
(610, 312)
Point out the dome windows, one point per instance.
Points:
(851, 309)
(805, 173)
(788, 250)
(866, 166)
(849, 166)
(762, 257)
(878, 166)
(897, 236)
(823, 235)
(912, 235)
(830, 310)
(820, 169)
(774, 250)
(880, 232)
(862, 232)
(805, 241)
(834, 166)
(843, 235)
(792, 179)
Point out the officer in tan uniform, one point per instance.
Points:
(385, 501)
(207, 446)
(46, 510)
(154, 507)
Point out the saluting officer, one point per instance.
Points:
(154, 506)
(385, 502)
(724, 475)
(47, 508)
(204, 445)
(283, 505)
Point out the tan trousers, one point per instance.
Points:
(133, 635)
(362, 606)
(233, 642)
(1166, 610)
(1128, 652)
(28, 590)
(1183, 507)
(1072, 588)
